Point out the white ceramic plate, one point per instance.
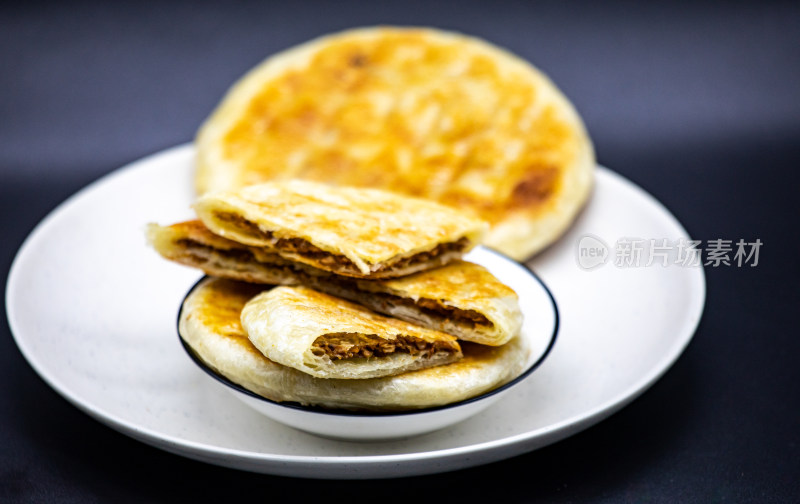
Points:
(93, 311)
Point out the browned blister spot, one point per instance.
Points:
(537, 186)
(221, 306)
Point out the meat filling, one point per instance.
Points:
(306, 249)
(341, 286)
(443, 248)
(438, 310)
(241, 259)
(297, 246)
(338, 346)
(193, 246)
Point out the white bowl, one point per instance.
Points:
(540, 328)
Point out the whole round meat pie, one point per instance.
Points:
(416, 111)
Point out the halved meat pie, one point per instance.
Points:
(363, 233)
(327, 337)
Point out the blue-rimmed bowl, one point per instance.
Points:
(539, 329)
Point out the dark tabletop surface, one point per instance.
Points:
(696, 102)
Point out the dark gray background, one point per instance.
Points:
(696, 102)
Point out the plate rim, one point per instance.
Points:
(488, 450)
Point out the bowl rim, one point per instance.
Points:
(292, 405)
